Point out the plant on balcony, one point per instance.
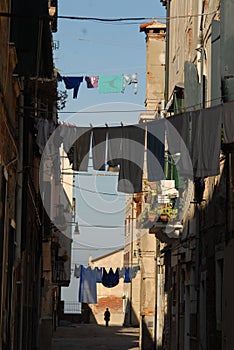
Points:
(167, 213)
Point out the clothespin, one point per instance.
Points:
(121, 123)
(91, 125)
(106, 125)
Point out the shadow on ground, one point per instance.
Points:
(92, 336)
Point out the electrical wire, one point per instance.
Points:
(102, 226)
(126, 19)
(104, 20)
(94, 245)
(87, 174)
(89, 249)
(91, 191)
(85, 72)
(195, 107)
(222, 97)
(108, 111)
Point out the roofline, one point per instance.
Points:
(152, 25)
(106, 255)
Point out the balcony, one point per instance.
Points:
(59, 273)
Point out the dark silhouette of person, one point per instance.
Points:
(107, 316)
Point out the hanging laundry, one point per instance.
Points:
(128, 273)
(155, 150)
(114, 147)
(133, 271)
(59, 77)
(92, 81)
(171, 171)
(80, 149)
(49, 142)
(228, 122)
(73, 83)
(77, 271)
(55, 137)
(132, 158)
(130, 79)
(88, 287)
(110, 84)
(178, 132)
(206, 141)
(69, 136)
(127, 278)
(98, 274)
(42, 127)
(99, 148)
(122, 272)
(110, 279)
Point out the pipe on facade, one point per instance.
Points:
(167, 52)
(131, 264)
(19, 201)
(157, 295)
(200, 49)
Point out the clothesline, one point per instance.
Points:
(87, 73)
(193, 137)
(91, 125)
(89, 278)
(104, 83)
(122, 270)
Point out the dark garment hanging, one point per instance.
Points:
(99, 148)
(110, 279)
(87, 287)
(132, 159)
(73, 83)
(228, 122)
(114, 147)
(206, 141)
(178, 130)
(127, 278)
(155, 150)
(69, 136)
(92, 81)
(80, 149)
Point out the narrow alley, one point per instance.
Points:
(93, 336)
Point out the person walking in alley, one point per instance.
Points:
(107, 316)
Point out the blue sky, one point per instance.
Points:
(93, 48)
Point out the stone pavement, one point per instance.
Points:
(92, 337)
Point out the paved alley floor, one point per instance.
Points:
(92, 337)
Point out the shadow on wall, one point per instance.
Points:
(148, 342)
(182, 324)
(130, 317)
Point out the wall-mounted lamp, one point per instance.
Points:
(76, 231)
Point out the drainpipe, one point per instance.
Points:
(19, 176)
(156, 295)
(131, 263)
(200, 61)
(200, 50)
(19, 201)
(167, 52)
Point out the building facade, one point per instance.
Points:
(197, 264)
(111, 298)
(28, 255)
(141, 247)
